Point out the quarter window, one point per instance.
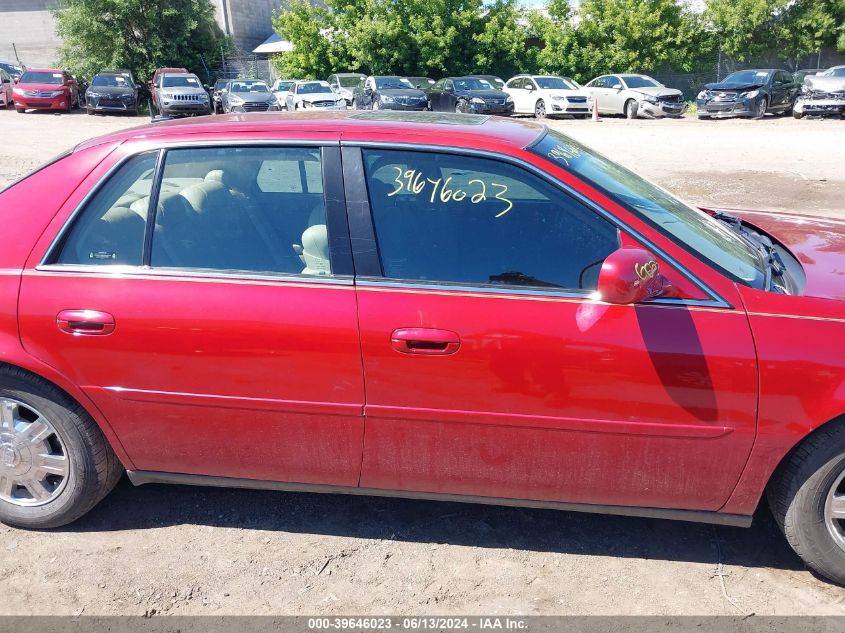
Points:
(452, 218)
(111, 228)
(242, 209)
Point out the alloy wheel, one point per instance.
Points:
(34, 465)
(540, 109)
(834, 510)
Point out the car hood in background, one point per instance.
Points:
(402, 92)
(568, 93)
(818, 243)
(110, 91)
(184, 90)
(40, 87)
(733, 86)
(254, 97)
(319, 96)
(825, 84)
(658, 92)
(483, 94)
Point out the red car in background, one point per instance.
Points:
(153, 84)
(46, 89)
(426, 305)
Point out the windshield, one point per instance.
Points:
(472, 84)
(710, 239)
(313, 88)
(180, 81)
(834, 72)
(395, 83)
(110, 81)
(42, 77)
(556, 83)
(747, 77)
(249, 86)
(349, 82)
(639, 81)
(12, 70)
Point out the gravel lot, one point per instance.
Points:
(179, 550)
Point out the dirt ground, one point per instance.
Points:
(180, 550)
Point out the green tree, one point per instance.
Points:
(507, 43)
(138, 34)
(745, 28)
(558, 49)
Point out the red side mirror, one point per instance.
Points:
(631, 275)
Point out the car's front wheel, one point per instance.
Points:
(55, 463)
(760, 108)
(631, 108)
(807, 498)
(540, 109)
(796, 114)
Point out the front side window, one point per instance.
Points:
(556, 83)
(242, 209)
(709, 238)
(454, 218)
(110, 229)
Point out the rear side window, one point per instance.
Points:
(253, 209)
(111, 228)
(451, 218)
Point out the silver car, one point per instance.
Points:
(822, 94)
(182, 94)
(635, 96)
(313, 95)
(248, 95)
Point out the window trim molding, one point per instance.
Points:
(47, 262)
(715, 300)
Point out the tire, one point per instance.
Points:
(801, 490)
(762, 106)
(540, 109)
(354, 104)
(796, 115)
(461, 106)
(375, 105)
(89, 111)
(20, 110)
(630, 109)
(73, 440)
(705, 117)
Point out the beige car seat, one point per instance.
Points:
(315, 250)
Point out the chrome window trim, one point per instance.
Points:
(716, 300)
(162, 149)
(186, 274)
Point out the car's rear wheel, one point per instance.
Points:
(760, 108)
(55, 464)
(807, 498)
(540, 109)
(631, 108)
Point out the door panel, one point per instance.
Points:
(547, 394)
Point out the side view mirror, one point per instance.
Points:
(631, 275)
(617, 86)
(530, 87)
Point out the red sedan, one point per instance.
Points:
(422, 305)
(46, 89)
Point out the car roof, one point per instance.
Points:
(44, 70)
(456, 129)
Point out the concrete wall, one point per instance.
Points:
(249, 21)
(30, 26)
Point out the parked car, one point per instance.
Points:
(155, 82)
(634, 96)
(280, 89)
(748, 93)
(181, 94)
(15, 70)
(493, 80)
(6, 84)
(308, 95)
(217, 96)
(543, 95)
(389, 92)
(423, 83)
(248, 95)
(468, 95)
(112, 91)
(799, 75)
(46, 89)
(344, 84)
(525, 322)
(822, 94)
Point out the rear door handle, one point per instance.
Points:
(425, 341)
(85, 322)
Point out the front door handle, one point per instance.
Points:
(425, 341)
(85, 322)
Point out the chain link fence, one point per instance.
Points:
(240, 67)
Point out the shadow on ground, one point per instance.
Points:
(156, 506)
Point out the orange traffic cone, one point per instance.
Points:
(596, 109)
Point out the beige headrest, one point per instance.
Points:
(315, 250)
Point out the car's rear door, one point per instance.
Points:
(221, 337)
(491, 372)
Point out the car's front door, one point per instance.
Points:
(448, 99)
(490, 371)
(516, 89)
(221, 337)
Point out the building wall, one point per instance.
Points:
(250, 22)
(29, 25)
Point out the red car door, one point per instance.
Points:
(491, 372)
(220, 338)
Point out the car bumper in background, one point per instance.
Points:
(662, 109)
(819, 106)
(501, 110)
(401, 106)
(569, 107)
(42, 103)
(716, 109)
(185, 108)
(110, 105)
